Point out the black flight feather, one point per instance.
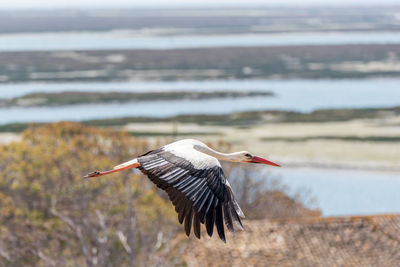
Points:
(210, 222)
(196, 225)
(188, 222)
(219, 222)
(200, 196)
(228, 217)
(182, 213)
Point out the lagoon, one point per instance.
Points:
(294, 95)
(346, 192)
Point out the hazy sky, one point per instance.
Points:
(21, 4)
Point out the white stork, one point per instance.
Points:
(190, 173)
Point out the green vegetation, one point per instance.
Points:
(328, 115)
(242, 119)
(73, 98)
(16, 127)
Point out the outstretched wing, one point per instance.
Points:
(196, 185)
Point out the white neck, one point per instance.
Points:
(233, 157)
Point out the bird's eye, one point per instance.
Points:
(248, 156)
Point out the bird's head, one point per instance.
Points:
(247, 157)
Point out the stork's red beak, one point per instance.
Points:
(256, 159)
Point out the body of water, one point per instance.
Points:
(114, 40)
(347, 192)
(337, 192)
(296, 95)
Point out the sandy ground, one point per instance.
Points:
(313, 153)
(6, 138)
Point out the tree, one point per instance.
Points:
(50, 216)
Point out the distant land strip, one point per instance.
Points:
(280, 62)
(239, 119)
(74, 98)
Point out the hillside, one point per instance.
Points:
(338, 241)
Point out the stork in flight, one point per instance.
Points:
(190, 173)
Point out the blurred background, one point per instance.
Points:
(314, 86)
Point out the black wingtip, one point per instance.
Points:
(219, 222)
(183, 211)
(188, 222)
(210, 220)
(196, 225)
